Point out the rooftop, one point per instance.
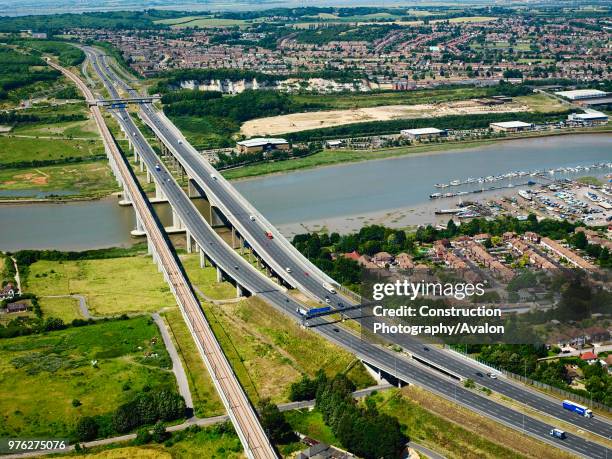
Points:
(421, 131)
(261, 141)
(581, 93)
(511, 124)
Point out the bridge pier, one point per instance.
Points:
(176, 220)
(139, 230)
(188, 237)
(219, 275)
(159, 193)
(239, 291)
(202, 259)
(149, 176)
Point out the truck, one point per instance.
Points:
(330, 288)
(581, 410)
(312, 312)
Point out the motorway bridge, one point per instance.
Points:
(278, 255)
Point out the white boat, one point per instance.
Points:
(525, 194)
(455, 183)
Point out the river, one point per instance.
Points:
(347, 196)
(390, 191)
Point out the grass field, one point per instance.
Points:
(20, 149)
(111, 286)
(374, 99)
(84, 179)
(66, 309)
(206, 401)
(457, 432)
(201, 22)
(206, 279)
(45, 373)
(311, 424)
(541, 103)
(268, 351)
(68, 129)
(209, 442)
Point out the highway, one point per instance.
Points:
(237, 405)
(405, 369)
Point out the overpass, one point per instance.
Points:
(399, 366)
(122, 102)
(237, 405)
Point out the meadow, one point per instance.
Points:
(46, 373)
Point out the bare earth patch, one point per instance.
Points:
(296, 122)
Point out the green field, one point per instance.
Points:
(206, 401)
(66, 309)
(23, 149)
(218, 441)
(206, 279)
(269, 351)
(541, 103)
(43, 374)
(111, 286)
(201, 22)
(84, 179)
(374, 99)
(69, 129)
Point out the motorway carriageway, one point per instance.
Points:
(404, 369)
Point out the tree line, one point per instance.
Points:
(456, 122)
(146, 408)
(361, 429)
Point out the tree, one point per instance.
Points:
(86, 429)
(274, 423)
(159, 432)
(143, 436)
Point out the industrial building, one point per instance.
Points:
(262, 144)
(581, 94)
(591, 117)
(510, 126)
(422, 133)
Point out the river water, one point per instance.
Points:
(339, 197)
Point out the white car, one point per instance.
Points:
(180, 142)
(288, 269)
(252, 218)
(213, 176)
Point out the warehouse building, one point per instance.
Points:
(261, 144)
(581, 94)
(510, 126)
(422, 133)
(590, 118)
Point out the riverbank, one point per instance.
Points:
(336, 157)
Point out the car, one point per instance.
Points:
(341, 305)
(134, 134)
(479, 374)
(157, 167)
(337, 330)
(492, 375)
(269, 235)
(180, 142)
(288, 269)
(558, 433)
(327, 300)
(425, 348)
(213, 176)
(252, 218)
(235, 266)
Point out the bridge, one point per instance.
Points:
(249, 230)
(123, 102)
(237, 405)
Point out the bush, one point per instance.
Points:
(143, 436)
(86, 429)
